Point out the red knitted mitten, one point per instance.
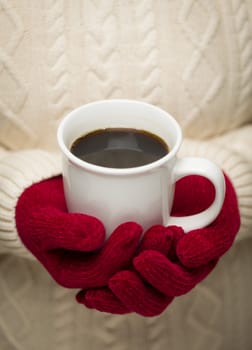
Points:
(170, 262)
(72, 246)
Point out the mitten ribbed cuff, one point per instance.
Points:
(19, 170)
(237, 169)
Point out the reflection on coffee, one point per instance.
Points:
(119, 148)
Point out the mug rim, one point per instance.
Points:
(117, 171)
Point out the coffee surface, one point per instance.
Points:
(119, 148)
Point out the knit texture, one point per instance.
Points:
(77, 60)
(238, 169)
(170, 262)
(72, 248)
(60, 239)
(193, 58)
(18, 170)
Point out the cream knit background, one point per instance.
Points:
(192, 58)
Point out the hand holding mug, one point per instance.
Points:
(70, 242)
(72, 246)
(169, 262)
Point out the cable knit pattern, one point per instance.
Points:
(18, 171)
(200, 42)
(102, 56)
(109, 328)
(155, 330)
(149, 71)
(11, 332)
(206, 296)
(243, 30)
(58, 77)
(63, 318)
(193, 58)
(11, 125)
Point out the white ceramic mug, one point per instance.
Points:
(143, 194)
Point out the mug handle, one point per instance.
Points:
(203, 167)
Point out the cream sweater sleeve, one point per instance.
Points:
(19, 170)
(235, 160)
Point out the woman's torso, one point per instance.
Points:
(193, 58)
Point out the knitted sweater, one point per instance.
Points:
(193, 59)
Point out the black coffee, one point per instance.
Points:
(119, 148)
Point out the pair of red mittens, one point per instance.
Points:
(132, 271)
